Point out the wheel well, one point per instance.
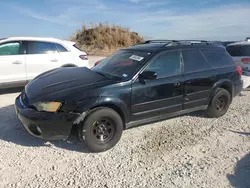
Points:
(228, 88)
(115, 108)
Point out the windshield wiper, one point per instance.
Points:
(103, 74)
(109, 76)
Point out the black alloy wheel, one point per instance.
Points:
(103, 129)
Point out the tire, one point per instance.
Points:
(93, 133)
(216, 108)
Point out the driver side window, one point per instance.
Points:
(165, 64)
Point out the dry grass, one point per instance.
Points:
(104, 39)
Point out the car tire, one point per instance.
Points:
(101, 130)
(219, 103)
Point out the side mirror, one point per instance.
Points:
(148, 75)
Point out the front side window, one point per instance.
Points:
(194, 61)
(123, 64)
(165, 64)
(10, 48)
(35, 47)
(218, 59)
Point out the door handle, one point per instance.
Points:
(17, 62)
(54, 60)
(177, 84)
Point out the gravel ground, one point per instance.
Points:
(188, 151)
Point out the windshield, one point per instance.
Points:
(123, 64)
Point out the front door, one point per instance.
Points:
(12, 64)
(41, 57)
(163, 95)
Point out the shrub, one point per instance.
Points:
(104, 39)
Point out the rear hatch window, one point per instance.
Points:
(239, 50)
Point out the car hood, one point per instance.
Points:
(62, 82)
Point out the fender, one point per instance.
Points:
(119, 105)
(224, 83)
(88, 105)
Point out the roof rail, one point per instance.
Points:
(179, 42)
(157, 41)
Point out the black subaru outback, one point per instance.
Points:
(141, 84)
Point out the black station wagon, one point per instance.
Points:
(141, 84)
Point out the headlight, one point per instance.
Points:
(47, 106)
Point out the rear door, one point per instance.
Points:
(223, 64)
(199, 78)
(67, 56)
(12, 63)
(163, 95)
(41, 57)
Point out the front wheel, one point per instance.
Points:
(101, 130)
(219, 103)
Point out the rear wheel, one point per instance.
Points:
(219, 103)
(101, 130)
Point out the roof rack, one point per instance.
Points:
(179, 42)
(157, 41)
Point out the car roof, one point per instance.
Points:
(158, 47)
(46, 39)
(239, 43)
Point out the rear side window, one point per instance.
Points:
(239, 50)
(35, 47)
(60, 48)
(11, 48)
(218, 59)
(194, 61)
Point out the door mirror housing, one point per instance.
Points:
(148, 75)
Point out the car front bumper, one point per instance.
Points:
(51, 126)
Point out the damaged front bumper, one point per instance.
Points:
(46, 125)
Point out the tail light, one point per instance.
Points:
(84, 57)
(239, 70)
(245, 60)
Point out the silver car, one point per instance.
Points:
(240, 52)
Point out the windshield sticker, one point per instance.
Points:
(124, 75)
(136, 58)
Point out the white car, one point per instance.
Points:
(240, 52)
(24, 58)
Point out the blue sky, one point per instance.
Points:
(162, 19)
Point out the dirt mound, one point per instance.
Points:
(104, 39)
